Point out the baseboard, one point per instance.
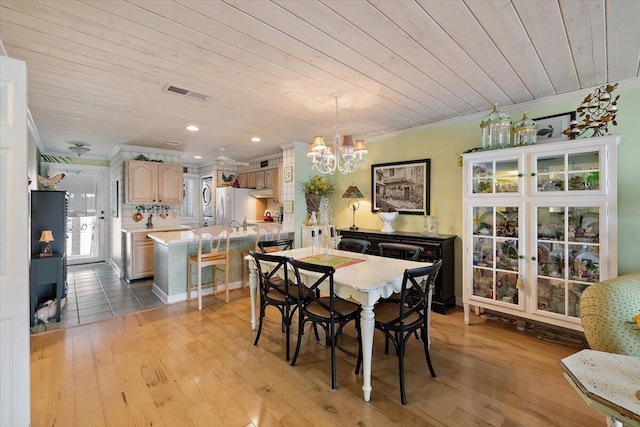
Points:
(207, 290)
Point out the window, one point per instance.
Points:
(191, 193)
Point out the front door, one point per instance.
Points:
(14, 246)
(86, 218)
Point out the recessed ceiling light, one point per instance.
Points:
(193, 128)
(255, 139)
(197, 157)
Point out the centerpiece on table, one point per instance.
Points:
(314, 190)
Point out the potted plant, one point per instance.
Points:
(314, 190)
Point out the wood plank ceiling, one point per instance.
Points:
(97, 68)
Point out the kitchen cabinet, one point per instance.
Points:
(139, 256)
(269, 175)
(259, 180)
(539, 227)
(151, 182)
(433, 248)
(277, 185)
(251, 180)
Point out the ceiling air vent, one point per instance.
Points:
(186, 92)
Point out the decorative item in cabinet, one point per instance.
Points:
(259, 180)
(531, 253)
(251, 180)
(242, 180)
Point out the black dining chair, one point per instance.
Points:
(329, 311)
(276, 290)
(399, 320)
(399, 250)
(267, 246)
(354, 245)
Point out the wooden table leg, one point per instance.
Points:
(367, 328)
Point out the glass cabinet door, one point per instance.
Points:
(496, 176)
(567, 256)
(568, 172)
(496, 256)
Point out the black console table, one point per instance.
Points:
(433, 248)
(47, 281)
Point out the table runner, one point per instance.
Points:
(334, 261)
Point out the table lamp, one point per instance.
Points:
(46, 236)
(353, 193)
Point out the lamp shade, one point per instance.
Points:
(46, 236)
(352, 193)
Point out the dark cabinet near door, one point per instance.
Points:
(433, 248)
(48, 275)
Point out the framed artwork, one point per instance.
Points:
(550, 127)
(115, 187)
(226, 179)
(288, 173)
(287, 206)
(404, 186)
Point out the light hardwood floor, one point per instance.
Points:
(176, 366)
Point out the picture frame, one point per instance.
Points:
(226, 179)
(288, 173)
(405, 186)
(287, 206)
(115, 202)
(550, 127)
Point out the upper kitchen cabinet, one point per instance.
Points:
(151, 182)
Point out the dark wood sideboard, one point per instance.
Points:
(433, 248)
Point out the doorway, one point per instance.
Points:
(86, 213)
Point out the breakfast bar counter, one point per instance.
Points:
(171, 250)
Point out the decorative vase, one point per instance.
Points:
(313, 202)
(387, 218)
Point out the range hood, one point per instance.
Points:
(266, 193)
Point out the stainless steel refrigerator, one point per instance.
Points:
(234, 204)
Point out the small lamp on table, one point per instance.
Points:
(46, 236)
(352, 194)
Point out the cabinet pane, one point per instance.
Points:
(551, 260)
(550, 173)
(584, 224)
(483, 252)
(584, 263)
(584, 171)
(507, 255)
(483, 282)
(481, 177)
(551, 296)
(507, 176)
(506, 290)
(550, 223)
(483, 221)
(507, 221)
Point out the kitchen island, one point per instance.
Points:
(171, 250)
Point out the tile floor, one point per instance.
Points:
(94, 292)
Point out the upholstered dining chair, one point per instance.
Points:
(399, 320)
(276, 290)
(354, 245)
(213, 251)
(606, 312)
(264, 232)
(329, 311)
(399, 250)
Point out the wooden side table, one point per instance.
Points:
(608, 382)
(46, 272)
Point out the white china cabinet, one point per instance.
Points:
(539, 226)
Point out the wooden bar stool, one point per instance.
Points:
(266, 231)
(211, 252)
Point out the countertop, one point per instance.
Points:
(170, 238)
(160, 228)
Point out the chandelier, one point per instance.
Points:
(343, 155)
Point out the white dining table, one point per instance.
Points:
(366, 282)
